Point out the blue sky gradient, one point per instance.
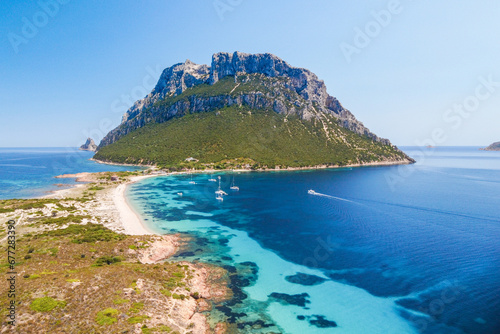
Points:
(428, 72)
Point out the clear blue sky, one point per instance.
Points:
(69, 76)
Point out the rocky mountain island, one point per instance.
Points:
(89, 145)
(244, 110)
(493, 147)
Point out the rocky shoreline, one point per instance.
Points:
(157, 171)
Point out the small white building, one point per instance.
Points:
(191, 159)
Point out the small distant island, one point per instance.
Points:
(493, 147)
(89, 145)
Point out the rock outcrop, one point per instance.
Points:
(493, 147)
(173, 81)
(261, 81)
(89, 145)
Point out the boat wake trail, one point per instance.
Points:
(435, 210)
(312, 192)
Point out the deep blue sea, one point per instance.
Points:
(29, 172)
(397, 249)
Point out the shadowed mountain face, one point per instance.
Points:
(260, 82)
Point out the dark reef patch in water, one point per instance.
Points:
(232, 317)
(321, 322)
(299, 299)
(248, 263)
(202, 241)
(223, 242)
(257, 324)
(230, 269)
(305, 279)
(185, 254)
(251, 268)
(236, 284)
(240, 276)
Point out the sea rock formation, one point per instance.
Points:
(263, 81)
(493, 147)
(89, 145)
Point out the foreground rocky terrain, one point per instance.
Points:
(77, 272)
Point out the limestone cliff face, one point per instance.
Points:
(173, 81)
(261, 81)
(89, 145)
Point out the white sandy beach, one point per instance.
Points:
(130, 220)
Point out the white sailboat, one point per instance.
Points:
(233, 187)
(211, 179)
(219, 192)
(192, 182)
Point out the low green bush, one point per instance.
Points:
(46, 304)
(107, 316)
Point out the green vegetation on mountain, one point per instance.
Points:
(235, 136)
(251, 111)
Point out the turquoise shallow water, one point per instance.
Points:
(29, 172)
(377, 250)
